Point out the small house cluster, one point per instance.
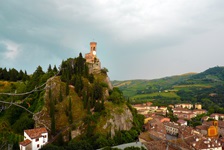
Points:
(182, 111)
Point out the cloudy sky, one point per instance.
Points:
(136, 39)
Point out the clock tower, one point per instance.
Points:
(93, 62)
(93, 48)
(91, 56)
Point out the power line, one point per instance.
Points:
(32, 91)
(11, 103)
(26, 93)
(36, 89)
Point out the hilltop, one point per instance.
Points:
(205, 87)
(75, 103)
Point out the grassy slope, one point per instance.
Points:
(138, 89)
(6, 86)
(61, 118)
(132, 88)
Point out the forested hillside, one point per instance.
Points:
(205, 88)
(78, 109)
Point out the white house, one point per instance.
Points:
(34, 139)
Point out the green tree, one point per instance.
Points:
(5, 74)
(91, 78)
(35, 79)
(116, 96)
(70, 120)
(60, 95)
(104, 70)
(67, 88)
(80, 64)
(49, 69)
(85, 99)
(52, 112)
(78, 84)
(55, 70)
(22, 123)
(102, 142)
(134, 148)
(20, 75)
(60, 140)
(51, 147)
(13, 74)
(80, 145)
(97, 90)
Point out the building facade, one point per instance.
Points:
(34, 139)
(171, 128)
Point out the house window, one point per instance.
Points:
(37, 140)
(45, 136)
(38, 145)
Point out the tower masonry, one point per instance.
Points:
(94, 63)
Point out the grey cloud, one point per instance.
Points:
(134, 35)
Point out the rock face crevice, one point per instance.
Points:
(119, 121)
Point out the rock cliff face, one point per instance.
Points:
(119, 120)
(61, 117)
(116, 117)
(110, 86)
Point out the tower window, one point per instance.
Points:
(94, 48)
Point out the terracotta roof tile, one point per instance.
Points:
(202, 127)
(25, 142)
(35, 133)
(181, 121)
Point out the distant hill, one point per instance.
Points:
(134, 87)
(190, 87)
(211, 74)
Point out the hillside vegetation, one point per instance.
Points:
(78, 109)
(205, 88)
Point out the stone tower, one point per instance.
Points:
(93, 48)
(90, 57)
(92, 60)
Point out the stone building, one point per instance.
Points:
(187, 105)
(93, 62)
(171, 128)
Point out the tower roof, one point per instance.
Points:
(35, 133)
(93, 43)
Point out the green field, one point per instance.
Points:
(177, 87)
(187, 87)
(152, 95)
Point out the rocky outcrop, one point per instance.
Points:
(119, 120)
(110, 86)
